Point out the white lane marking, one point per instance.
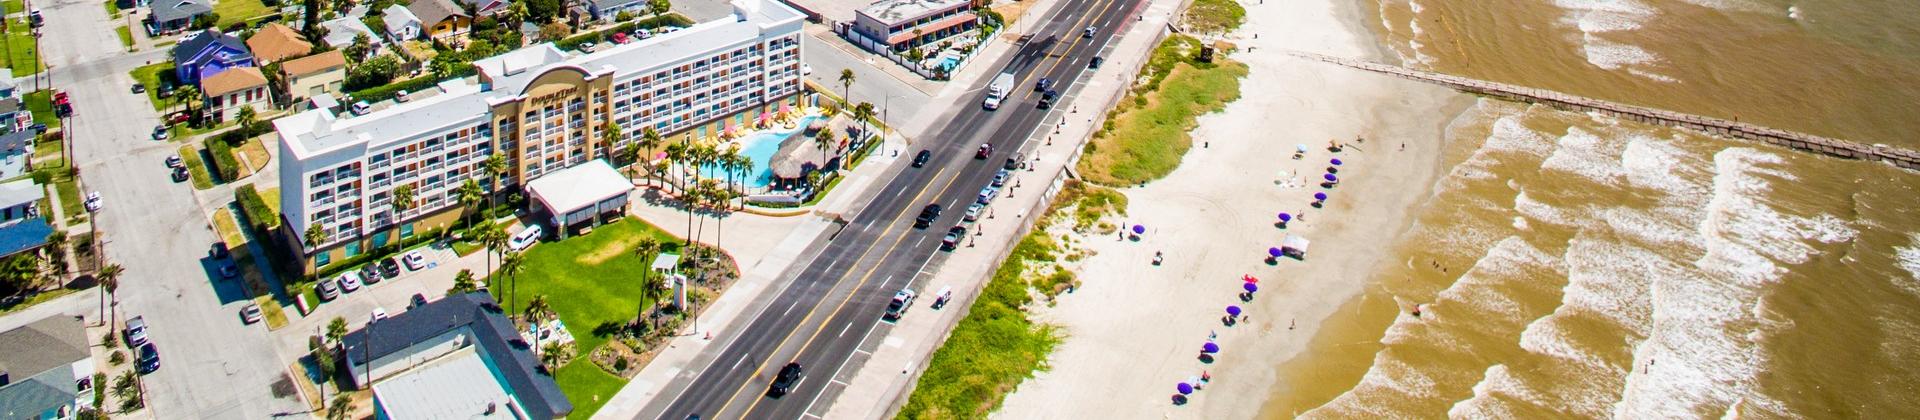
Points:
(736, 365)
(790, 307)
(843, 330)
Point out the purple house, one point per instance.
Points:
(208, 53)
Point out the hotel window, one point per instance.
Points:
(322, 259)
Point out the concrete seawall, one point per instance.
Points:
(1903, 158)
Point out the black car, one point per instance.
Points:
(390, 267)
(418, 300)
(921, 159)
(220, 251)
(926, 216)
(139, 88)
(784, 381)
(149, 358)
(1095, 63)
(1043, 85)
(180, 175)
(1046, 99)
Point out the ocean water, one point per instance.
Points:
(1573, 265)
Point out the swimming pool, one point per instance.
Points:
(760, 147)
(948, 62)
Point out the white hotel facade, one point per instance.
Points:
(541, 108)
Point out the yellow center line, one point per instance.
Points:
(1071, 45)
(850, 294)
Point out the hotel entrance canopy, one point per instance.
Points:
(578, 194)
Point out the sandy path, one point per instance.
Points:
(1135, 330)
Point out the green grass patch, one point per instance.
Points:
(1090, 203)
(1211, 16)
(1145, 136)
(994, 348)
(271, 312)
(14, 6)
(224, 161)
(465, 248)
(149, 75)
(113, 8)
(40, 102)
(22, 57)
(46, 296)
(48, 152)
(126, 35)
(593, 283)
(586, 386)
(229, 230)
(256, 208)
(272, 195)
(69, 192)
(196, 169)
(239, 10)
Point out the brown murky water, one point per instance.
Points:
(1575, 266)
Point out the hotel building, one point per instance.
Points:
(541, 108)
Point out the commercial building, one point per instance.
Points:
(458, 357)
(541, 109)
(902, 24)
(46, 370)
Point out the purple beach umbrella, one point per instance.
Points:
(1210, 347)
(1286, 217)
(1331, 178)
(1184, 388)
(1320, 196)
(1273, 252)
(1336, 162)
(1137, 229)
(1233, 310)
(1251, 287)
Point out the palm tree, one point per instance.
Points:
(57, 255)
(846, 84)
(186, 95)
(631, 154)
(511, 265)
(538, 309)
(495, 239)
(246, 116)
(823, 140)
(609, 135)
(462, 283)
(470, 196)
(647, 249)
(650, 140)
(402, 201)
(316, 235)
(864, 113)
(109, 278)
(342, 406)
(335, 329)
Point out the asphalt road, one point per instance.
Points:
(837, 299)
(212, 365)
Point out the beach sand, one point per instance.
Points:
(1135, 330)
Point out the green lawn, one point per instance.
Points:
(47, 153)
(593, 283)
(196, 169)
(50, 294)
(587, 386)
(1145, 136)
(126, 36)
(21, 56)
(41, 103)
(149, 75)
(69, 192)
(1215, 16)
(14, 6)
(231, 11)
(113, 8)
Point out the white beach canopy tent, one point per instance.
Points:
(1294, 246)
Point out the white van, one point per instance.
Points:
(526, 238)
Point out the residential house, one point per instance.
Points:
(170, 16)
(6, 84)
(14, 116)
(441, 19)
(340, 33)
(208, 53)
(20, 199)
(276, 42)
(313, 75)
(457, 357)
(402, 25)
(46, 369)
(231, 90)
(903, 24)
(14, 149)
(487, 7)
(606, 9)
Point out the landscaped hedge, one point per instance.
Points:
(381, 93)
(258, 212)
(340, 265)
(224, 162)
(671, 19)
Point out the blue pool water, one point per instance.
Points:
(949, 62)
(760, 147)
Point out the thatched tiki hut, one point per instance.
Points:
(796, 158)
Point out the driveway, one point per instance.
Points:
(214, 367)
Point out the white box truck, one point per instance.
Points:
(997, 91)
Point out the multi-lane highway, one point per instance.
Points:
(836, 299)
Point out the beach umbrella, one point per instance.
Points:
(1137, 229)
(1320, 196)
(1232, 310)
(1302, 148)
(1336, 162)
(1210, 347)
(1331, 178)
(1273, 252)
(1286, 217)
(1251, 287)
(1184, 388)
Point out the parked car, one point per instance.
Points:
(327, 289)
(400, 95)
(783, 382)
(220, 251)
(987, 195)
(136, 331)
(93, 201)
(418, 300)
(349, 281)
(361, 108)
(1043, 85)
(954, 235)
(1000, 178)
(973, 212)
(370, 274)
(921, 159)
(250, 313)
(390, 267)
(1095, 63)
(902, 300)
(175, 161)
(414, 260)
(927, 215)
(379, 313)
(1047, 98)
(985, 150)
(149, 358)
(34, 18)
(37, 128)
(525, 239)
(160, 132)
(180, 175)
(940, 298)
(1012, 162)
(139, 88)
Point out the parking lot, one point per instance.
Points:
(389, 294)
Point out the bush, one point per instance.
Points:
(258, 213)
(374, 72)
(381, 93)
(110, 340)
(116, 358)
(224, 162)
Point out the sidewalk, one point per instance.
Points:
(880, 385)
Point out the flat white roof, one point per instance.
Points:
(458, 385)
(895, 12)
(582, 185)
